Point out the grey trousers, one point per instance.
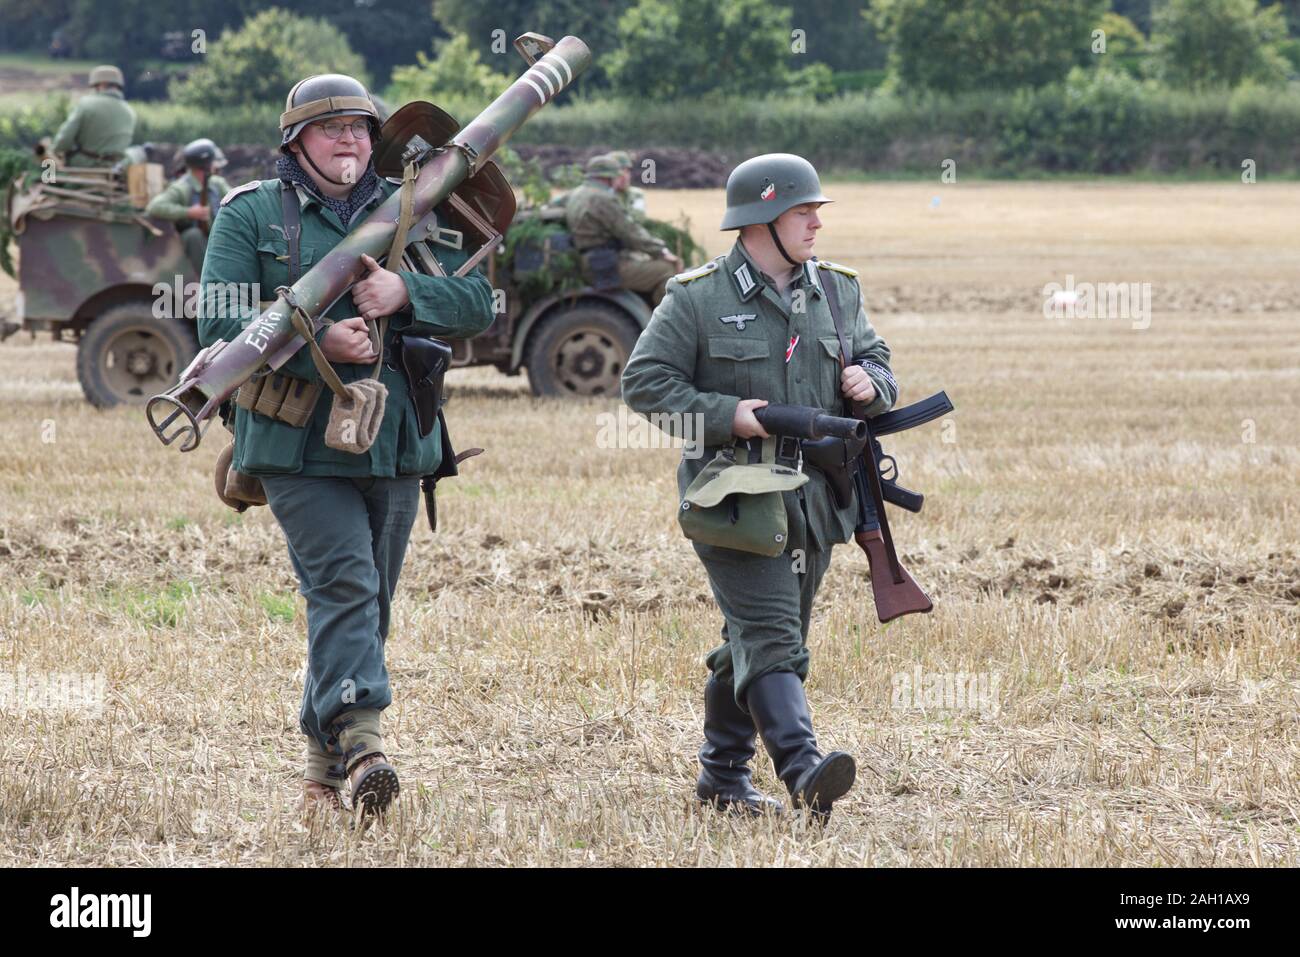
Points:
(767, 604)
(347, 539)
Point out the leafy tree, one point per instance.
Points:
(455, 70)
(1137, 12)
(387, 33)
(1199, 44)
(1126, 47)
(956, 45)
(593, 20)
(816, 80)
(262, 60)
(670, 49)
(838, 36)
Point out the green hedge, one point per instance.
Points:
(1096, 122)
(1104, 123)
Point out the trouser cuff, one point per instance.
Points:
(324, 767)
(358, 734)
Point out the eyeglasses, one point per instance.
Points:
(333, 129)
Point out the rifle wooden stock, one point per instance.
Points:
(893, 597)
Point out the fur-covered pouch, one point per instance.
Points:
(354, 422)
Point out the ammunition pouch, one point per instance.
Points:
(739, 506)
(601, 263)
(281, 397)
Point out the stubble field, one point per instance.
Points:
(1110, 537)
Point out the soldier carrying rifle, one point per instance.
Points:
(767, 322)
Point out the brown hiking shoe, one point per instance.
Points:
(319, 799)
(374, 784)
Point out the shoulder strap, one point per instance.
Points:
(406, 216)
(833, 301)
(302, 325)
(869, 458)
(291, 214)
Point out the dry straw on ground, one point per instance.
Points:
(1110, 531)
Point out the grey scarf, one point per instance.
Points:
(287, 168)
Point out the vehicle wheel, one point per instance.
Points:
(128, 355)
(581, 351)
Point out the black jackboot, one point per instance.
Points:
(724, 758)
(780, 711)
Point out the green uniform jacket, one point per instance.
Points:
(596, 216)
(101, 123)
(175, 201)
(721, 334)
(247, 245)
(633, 200)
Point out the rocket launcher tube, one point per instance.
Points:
(270, 339)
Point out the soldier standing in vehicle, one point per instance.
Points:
(193, 199)
(748, 328)
(99, 128)
(607, 235)
(346, 516)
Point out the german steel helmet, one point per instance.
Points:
(603, 165)
(106, 74)
(203, 153)
(762, 188)
(323, 95)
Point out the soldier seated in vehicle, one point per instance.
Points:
(99, 128)
(632, 197)
(609, 238)
(191, 200)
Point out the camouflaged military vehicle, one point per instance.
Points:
(95, 271)
(89, 263)
(571, 336)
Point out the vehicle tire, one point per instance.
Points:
(580, 351)
(128, 355)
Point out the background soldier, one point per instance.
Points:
(346, 516)
(99, 128)
(747, 328)
(632, 197)
(192, 200)
(602, 226)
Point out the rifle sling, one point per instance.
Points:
(868, 461)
